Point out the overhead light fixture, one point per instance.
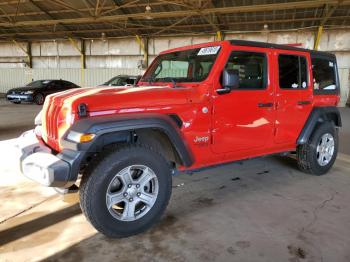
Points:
(103, 37)
(266, 29)
(148, 11)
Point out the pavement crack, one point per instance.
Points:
(315, 211)
(25, 210)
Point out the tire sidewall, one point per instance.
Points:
(322, 129)
(106, 171)
(36, 96)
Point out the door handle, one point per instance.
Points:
(306, 102)
(265, 104)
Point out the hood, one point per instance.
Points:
(22, 89)
(117, 98)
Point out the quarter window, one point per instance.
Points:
(292, 71)
(323, 71)
(250, 67)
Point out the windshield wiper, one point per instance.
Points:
(174, 82)
(150, 79)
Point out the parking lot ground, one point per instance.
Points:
(258, 210)
(15, 119)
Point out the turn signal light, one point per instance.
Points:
(79, 137)
(86, 138)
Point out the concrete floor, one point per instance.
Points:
(258, 210)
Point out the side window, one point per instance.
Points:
(122, 81)
(54, 85)
(114, 82)
(71, 85)
(66, 84)
(292, 71)
(130, 81)
(323, 71)
(251, 68)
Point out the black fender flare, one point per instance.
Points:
(119, 128)
(319, 115)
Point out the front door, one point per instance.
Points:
(293, 95)
(243, 119)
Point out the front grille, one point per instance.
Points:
(51, 120)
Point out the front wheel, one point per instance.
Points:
(318, 155)
(39, 99)
(126, 191)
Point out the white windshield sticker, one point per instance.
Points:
(211, 50)
(331, 64)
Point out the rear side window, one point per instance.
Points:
(324, 74)
(251, 69)
(292, 72)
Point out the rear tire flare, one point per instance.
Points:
(307, 153)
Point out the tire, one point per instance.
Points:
(16, 102)
(106, 171)
(309, 154)
(39, 99)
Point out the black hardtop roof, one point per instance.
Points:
(283, 47)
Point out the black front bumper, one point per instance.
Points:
(38, 162)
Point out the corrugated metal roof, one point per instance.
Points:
(42, 19)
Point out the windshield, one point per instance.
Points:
(193, 65)
(120, 81)
(38, 83)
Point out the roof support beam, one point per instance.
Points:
(27, 51)
(87, 4)
(89, 8)
(119, 7)
(327, 13)
(180, 28)
(182, 13)
(171, 26)
(67, 6)
(7, 16)
(39, 7)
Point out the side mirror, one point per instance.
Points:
(230, 80)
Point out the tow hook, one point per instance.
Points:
(70, 190)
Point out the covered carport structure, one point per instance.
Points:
(260, 210)
(94, 37)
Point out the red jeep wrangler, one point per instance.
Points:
(195, 107)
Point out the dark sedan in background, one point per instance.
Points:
(122, 80)
(36, 91)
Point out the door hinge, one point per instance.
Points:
(274, 131)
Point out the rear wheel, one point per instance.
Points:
(126, 191)
(39, 99)
(318, 155)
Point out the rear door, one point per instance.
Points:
(243, 119)
(293, 94)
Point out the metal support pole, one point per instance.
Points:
(81, 51)
(219, 36)
(318, 37)
(144, 47)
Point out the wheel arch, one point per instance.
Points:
(318, 115)
(158, 130)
